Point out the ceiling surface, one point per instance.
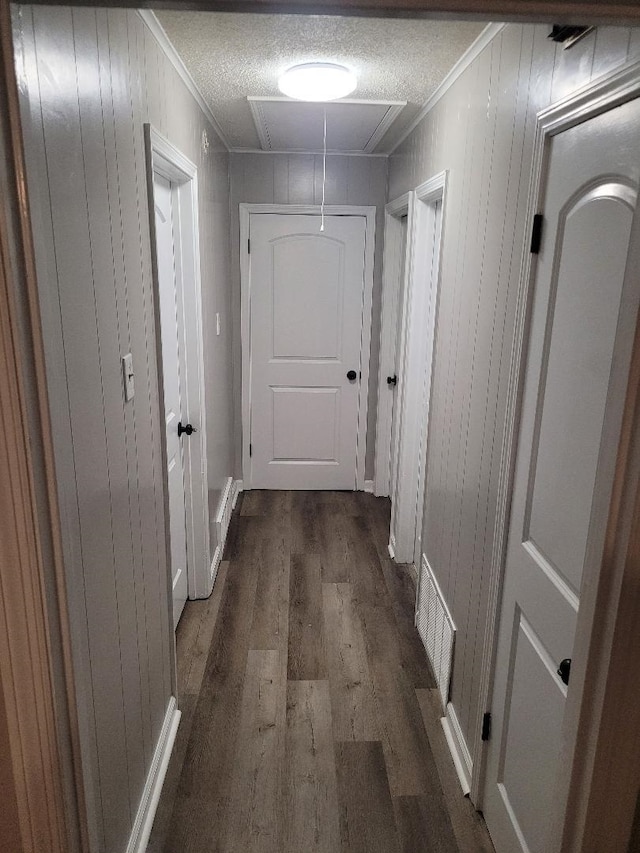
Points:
(234, 56)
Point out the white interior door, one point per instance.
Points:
(169, 298)
(306, 308)
(575, 380)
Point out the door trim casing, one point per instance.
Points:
(369, 214)
(608, 92)
(414, 386)
(166, 160)
(393, 283)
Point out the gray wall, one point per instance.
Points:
(482, 132)
(88, 80)
(297, 179)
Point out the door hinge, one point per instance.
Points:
(536, 234)
(486, 726)
(249, 245)
(251, 450)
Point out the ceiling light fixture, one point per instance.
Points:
(317, 81)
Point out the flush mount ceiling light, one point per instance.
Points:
(317, 81)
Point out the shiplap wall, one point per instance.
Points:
(89, 79)
(482, 131)
(297, 179)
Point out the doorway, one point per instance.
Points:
(306, 328)
(416, 351)
(577, 355)
(174, 230)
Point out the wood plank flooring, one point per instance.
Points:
(309, 714)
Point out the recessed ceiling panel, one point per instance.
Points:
(352, 126)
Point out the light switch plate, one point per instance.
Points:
(127, 376)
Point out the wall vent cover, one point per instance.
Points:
(436, 629)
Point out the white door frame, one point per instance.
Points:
(369, 214)
(394, 275)
(166, 160)
(420, 300)
(596, 600)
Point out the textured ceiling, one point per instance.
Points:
(231, 56)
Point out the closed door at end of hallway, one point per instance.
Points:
(306, 322)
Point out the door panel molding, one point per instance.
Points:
(592, 638)
(166, 160)
(369, 214)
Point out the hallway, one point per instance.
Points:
(309, 721)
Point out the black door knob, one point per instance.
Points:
(392, 381)
(351, 375)
(188, 429)
(564, 670)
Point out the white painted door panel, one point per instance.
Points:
(306, 328)
(573, 393)
(165, 243)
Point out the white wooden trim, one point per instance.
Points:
(368, 487)
(226, 504)
(288, 152)
(369, 213)
(473, 51)
(146, 813)
(592, 99)
(391, 290)
(420, 300)
(238, 486)
(170, 163)
(458, 748)
(157, 30)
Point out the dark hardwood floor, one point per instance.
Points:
(309, 714)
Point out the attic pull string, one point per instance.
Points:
(324, 168)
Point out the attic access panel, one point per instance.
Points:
(352, 126)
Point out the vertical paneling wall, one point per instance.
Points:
(89, 79)
(482, 131)
(297, 179)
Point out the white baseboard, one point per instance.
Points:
(391, 547)
(215, 565)
(458, 748)
(368, 486)
(237, 488)
(153, 786)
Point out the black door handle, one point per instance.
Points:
(351, 375)
(564, 670)
(392, 381)
(188, 429)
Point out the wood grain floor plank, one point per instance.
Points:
(306, 534)
(418, 831)
(254, 823)
(366, 812)
(352, 700)
(260, 502)
(307, 656)
(269, 628)
(468, 826)
(194, 636)
(310, 785)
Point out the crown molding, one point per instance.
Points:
(304, 153)
(472, 52)
(174, 58)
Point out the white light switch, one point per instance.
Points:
(217, 322)
(127, 376)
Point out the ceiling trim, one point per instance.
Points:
(389, 117)
(289, 152)
(173, 56)
(472, 52)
